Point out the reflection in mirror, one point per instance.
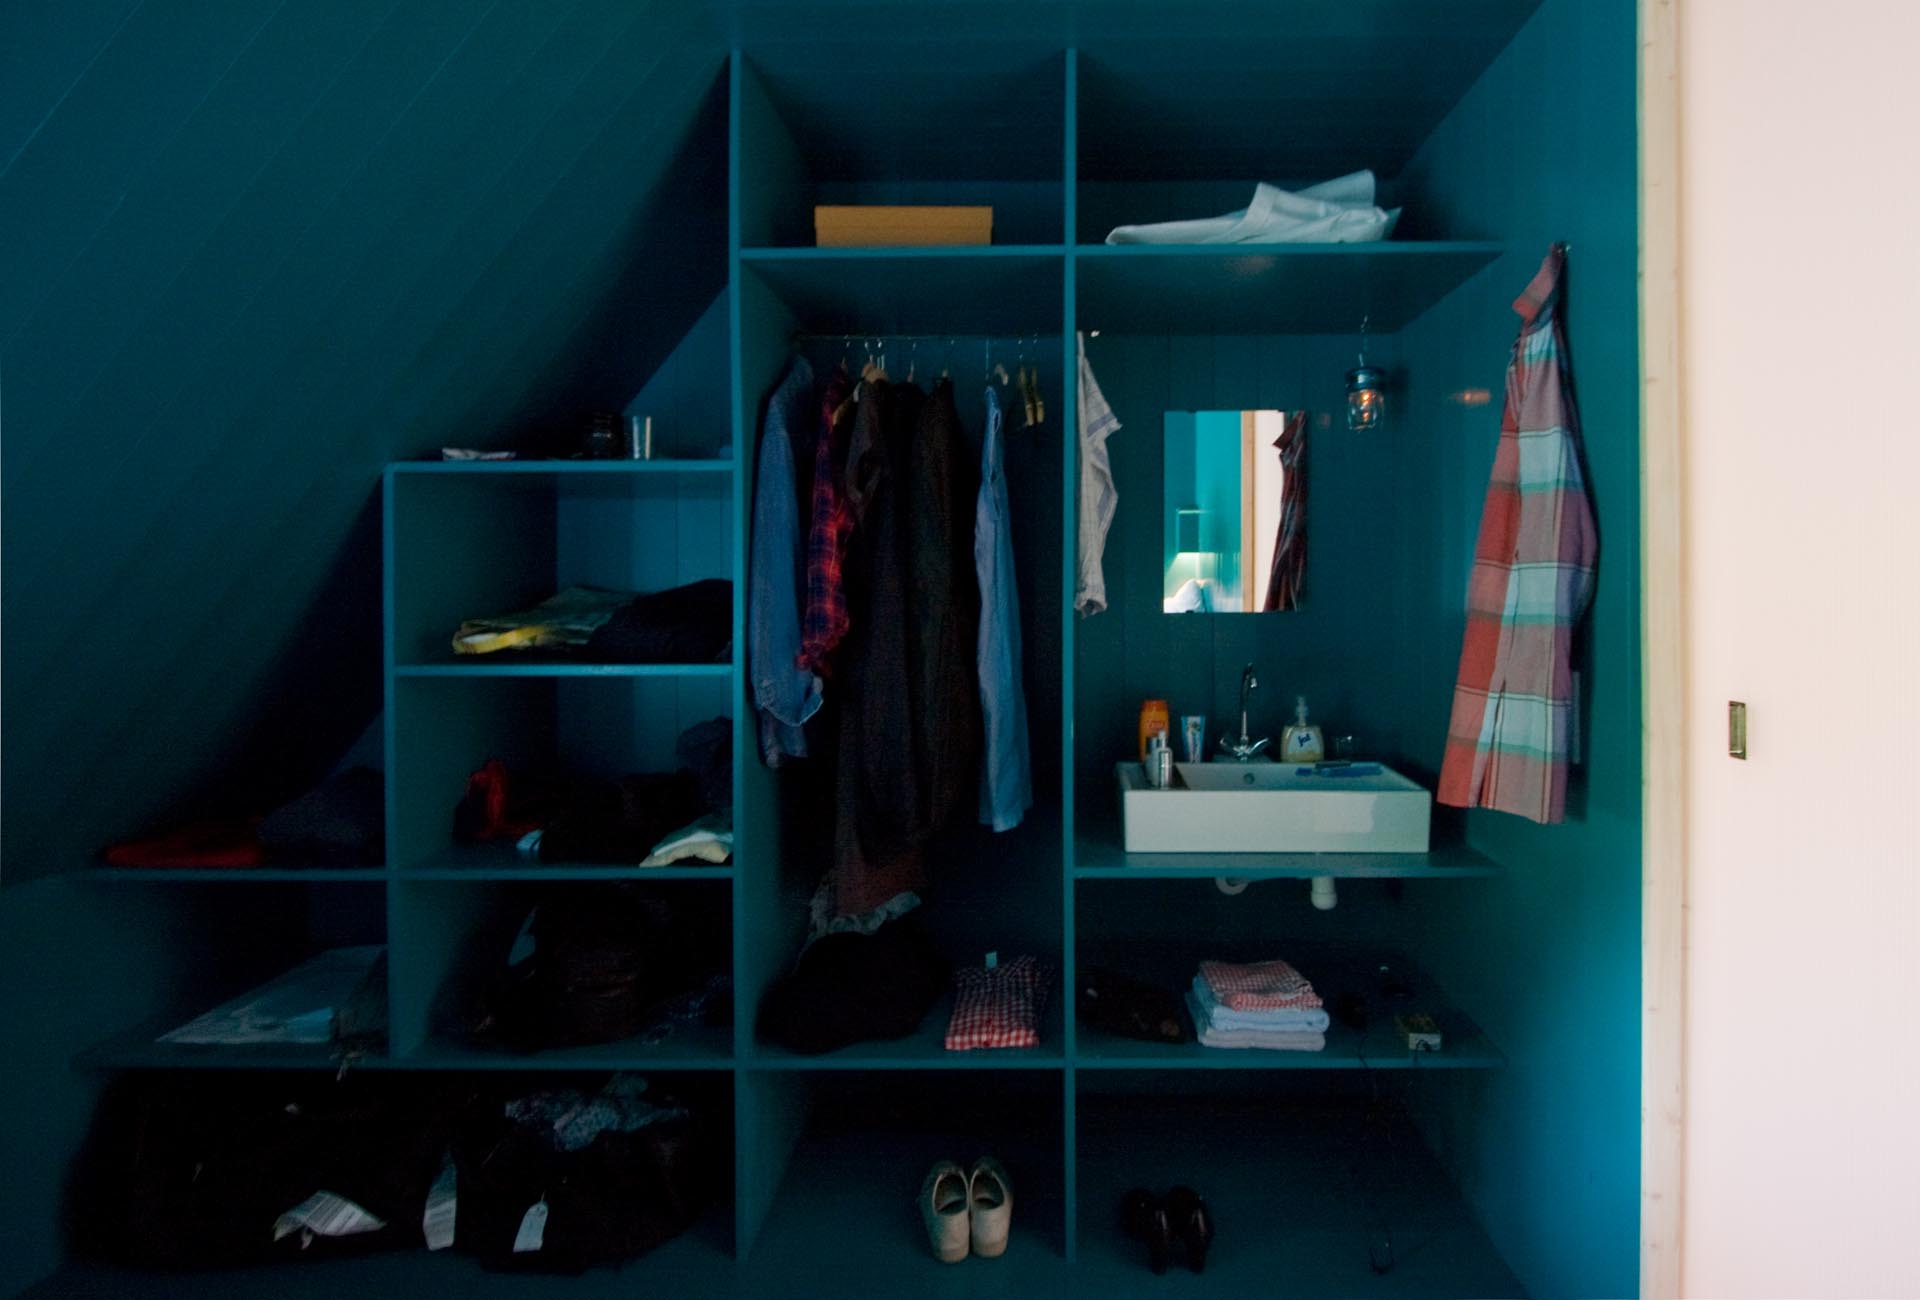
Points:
(1235, 512)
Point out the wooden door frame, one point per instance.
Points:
(1663, 909)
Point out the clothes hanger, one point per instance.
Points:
(1026, 390)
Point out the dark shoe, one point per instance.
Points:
(1189, 1219)
(1144, 1218)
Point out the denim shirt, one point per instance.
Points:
(1006, 778)
(784, 693)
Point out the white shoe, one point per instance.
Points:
(943, 1204)
(990, 1207)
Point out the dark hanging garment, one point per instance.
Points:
(826, 621)
(943, 605)
(1289, 569)
(879, 813)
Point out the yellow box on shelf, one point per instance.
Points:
(879, 225)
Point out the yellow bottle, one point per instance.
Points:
(1153, 718)
(1301, 742)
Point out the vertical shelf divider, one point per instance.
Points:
(750, 1197)
(1069, 553)
(390, 890)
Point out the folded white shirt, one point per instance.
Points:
(707, 839)
(1339, 211)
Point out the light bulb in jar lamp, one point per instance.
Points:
(1366, 390)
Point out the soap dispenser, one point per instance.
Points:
(1301, 742)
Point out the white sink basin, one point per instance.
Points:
(1273, 808)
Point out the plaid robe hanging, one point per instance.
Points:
(1508, 742)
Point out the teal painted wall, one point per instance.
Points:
(249, 254)
(1548, 956)
(1216, 477)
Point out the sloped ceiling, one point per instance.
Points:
(248, 254)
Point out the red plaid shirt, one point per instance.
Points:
(826, 620)
(999, 1007)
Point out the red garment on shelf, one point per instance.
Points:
(1000, 1006)
(212, 844)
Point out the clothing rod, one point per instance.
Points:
(882, 336)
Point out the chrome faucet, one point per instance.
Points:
(1246, 747)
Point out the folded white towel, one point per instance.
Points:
(1265, 1040)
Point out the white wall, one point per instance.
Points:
(1800, 279)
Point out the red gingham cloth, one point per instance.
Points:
(1258, 986)
(999, 1007)
(826, 619)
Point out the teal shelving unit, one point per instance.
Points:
(822, 1142)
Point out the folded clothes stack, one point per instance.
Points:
(1265, 1004)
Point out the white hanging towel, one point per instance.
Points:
(1339, 211)
(1099, 499)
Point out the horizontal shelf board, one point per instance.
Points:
(501, 861)
(137, 1050)
(1001, 293)
(689, 1047)
(1098, 856)
(566, 871)
(924, 1049)
(1270, 288)
(895, 253)
(696, 1265)
(233, 875)
(1377, 1048)
(513, 667)
(493, 468)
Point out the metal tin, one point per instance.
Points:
(1159, 767)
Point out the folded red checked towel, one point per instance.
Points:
(1254, 986)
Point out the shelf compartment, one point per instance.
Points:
(1383, 980)
(472, 542)
(1098, 855)
(862, 1146)
(996, 293)
(828, 121)
(598, 728)
(925, 1049)
(1271, 288)
(1182, 97)
(697, 1263)
(454, 938)
(1310, 1180)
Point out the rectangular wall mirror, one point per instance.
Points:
(1235, 511)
